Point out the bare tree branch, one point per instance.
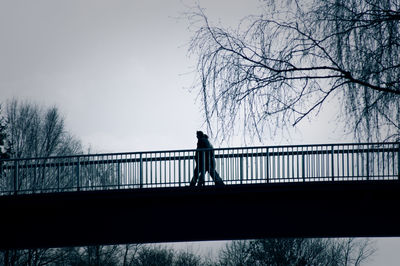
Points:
(281, 67)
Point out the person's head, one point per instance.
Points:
(199, 134)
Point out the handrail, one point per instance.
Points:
(215, 149)
(237, 155)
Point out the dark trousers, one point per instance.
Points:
(199, 174)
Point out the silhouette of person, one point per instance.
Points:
(205, 162)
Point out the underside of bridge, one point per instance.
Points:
(337, 209)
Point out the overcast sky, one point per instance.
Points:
(119, 71)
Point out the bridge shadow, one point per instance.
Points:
(315, 209)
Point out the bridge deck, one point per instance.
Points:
(330, 190)
(318, 209)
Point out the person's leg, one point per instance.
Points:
(195, 176)
(215, 176)
(201, 178)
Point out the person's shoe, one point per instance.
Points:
(220, 184)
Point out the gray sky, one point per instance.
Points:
(119, 71)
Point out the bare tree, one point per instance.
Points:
(297, 251)
(94, 255)
(235, 253)
(154, 255)
(184, 258)
(3, 135)
(276, 69)
(351, 251)
(4, 153)
(129, 253)
(34, 257)
(34, 132)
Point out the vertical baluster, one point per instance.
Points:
(303, 170)
(247, 165)
(240, 168)
(293, 164)
(256, 165)
(171, 180)
(77, 174)
(319, 163)
(163, 179)
(383, 161)
(267, 164)
(188, 166)
(367, 162)
(149, 170)
(58, 176)
(141, 171)
(352, 162)
(224, 165)
(394, 165)
(203, 168)
(348, 163)
(184, 168)
(34, 165)
(343, 162)
(398, 162)
(119, 172)
(288, 163)
(333, 162)
(297, 164)
(16, 173)
(358, 161)
(179, 169)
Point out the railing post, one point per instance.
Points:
(398, 163)
(303, 170)
(179, 170)
(367, 163)
(34, 178)
(119, 174)
(333, 162)
(16, 177)
(267, 165)
(78, 175)
(241, 169)
(203, 168)
(58, 177)
(43, 173)
(141, 171)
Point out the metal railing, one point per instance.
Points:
(246, 165)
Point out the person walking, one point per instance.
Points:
(205, 162)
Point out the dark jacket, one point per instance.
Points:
(204, 143)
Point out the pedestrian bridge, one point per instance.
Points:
(328, 190)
